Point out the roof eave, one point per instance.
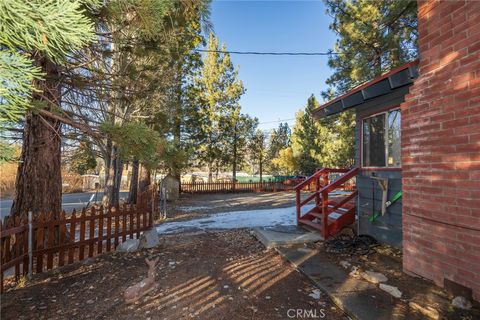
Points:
(395, 78)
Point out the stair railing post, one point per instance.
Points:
(298, 203)
(317, 188)
(325, 214)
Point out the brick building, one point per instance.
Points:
(441, 148)
(418, 130)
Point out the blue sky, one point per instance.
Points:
(277, 86)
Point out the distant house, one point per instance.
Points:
(419, 127)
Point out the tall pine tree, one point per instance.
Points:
(374, 36)
(46, 31)
(305, 136)
(218, 116)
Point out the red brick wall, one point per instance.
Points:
(441, 147)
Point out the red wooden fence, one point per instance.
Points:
(59, 240)
(224, 187)
(228, 186)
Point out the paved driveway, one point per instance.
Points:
(70, 201)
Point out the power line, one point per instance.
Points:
(277, 121)
(270, 53)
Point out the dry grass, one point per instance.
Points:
(72, 182)
(8, 172)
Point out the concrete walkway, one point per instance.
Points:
(359, 298)
(285, 235)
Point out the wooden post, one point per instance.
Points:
(124, 223)
(317, 188)
(137, 214)
(100, 231)
(71, 249)
(26, 244)
(17, 249)
(145, 222)
(40, 238)
(81, 253)
(50, 240)
(298, 204)
(91, 234)
(109, 229)
(325, 214)
(131, 225)
(62, 229)
(117, 226)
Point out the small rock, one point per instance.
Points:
(171, 263)
(355, 273)
(461, 303)
(254, 309)
(268, 297)
(130, 245)
(391, 289)
(225, 286)
(315, 294)
(149, 239)
(374, 277)
(426, 311)
(90, 301)
(345, 264)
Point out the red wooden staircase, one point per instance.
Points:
(331, 212)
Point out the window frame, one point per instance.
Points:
(371, 115)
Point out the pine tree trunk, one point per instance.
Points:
(234, 166)
(210, 173)
(38, 185)
(144, 180)
(110, 178)
(177, 133)
(117, 183)
(261, 170)
(132, 194)
(107, 161)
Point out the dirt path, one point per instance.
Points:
(222, 275)
(195, 205)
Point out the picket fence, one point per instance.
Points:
(267, 186)
(58, 239)
(228, 186)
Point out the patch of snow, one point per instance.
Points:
(235, 220)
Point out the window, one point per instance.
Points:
(381, 140)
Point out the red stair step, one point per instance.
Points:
(311, 224)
